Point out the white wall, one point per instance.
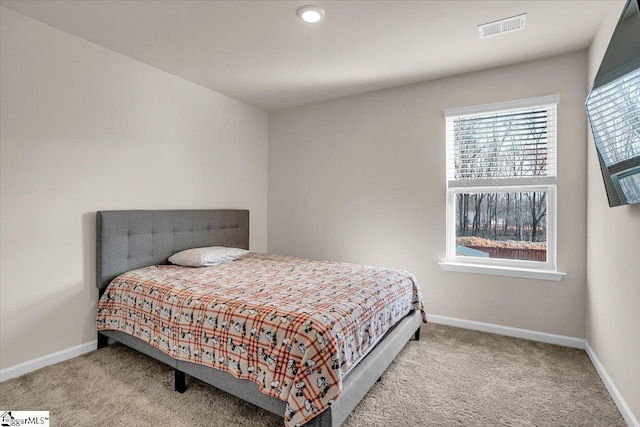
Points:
(86, 129)
(357, 179)
(362, 179)
(613, 270)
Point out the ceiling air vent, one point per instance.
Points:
(503, 26)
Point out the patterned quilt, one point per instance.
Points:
(294, 326)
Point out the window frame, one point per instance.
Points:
(503, 266)
(549, 264)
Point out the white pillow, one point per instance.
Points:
(202, 257)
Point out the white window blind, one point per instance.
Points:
(511, 146)
(501, 184)
(614, 112)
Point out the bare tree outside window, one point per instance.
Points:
(501, 156)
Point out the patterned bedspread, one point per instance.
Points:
(294, 326)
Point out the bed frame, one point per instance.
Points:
(132, 239)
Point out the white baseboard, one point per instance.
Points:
(613, 390)
(509, 331)
(62, 355)
(49, 359)
(562, 340)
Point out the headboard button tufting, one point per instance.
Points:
(152, 236)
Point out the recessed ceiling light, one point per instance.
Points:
(311, 13)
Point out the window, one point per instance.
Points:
(501, 187)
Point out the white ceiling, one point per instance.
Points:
(260, 52)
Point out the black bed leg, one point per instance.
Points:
(103, 341)
(416, 336)
(180, 385)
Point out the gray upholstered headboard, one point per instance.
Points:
(134, 239)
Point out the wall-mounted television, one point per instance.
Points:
(613, 108)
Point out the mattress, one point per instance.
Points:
(294, 326)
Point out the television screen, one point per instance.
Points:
(613, 107)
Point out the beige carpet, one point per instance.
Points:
(452, 377)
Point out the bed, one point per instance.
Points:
(138, 244)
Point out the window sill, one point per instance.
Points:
(493, 270)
